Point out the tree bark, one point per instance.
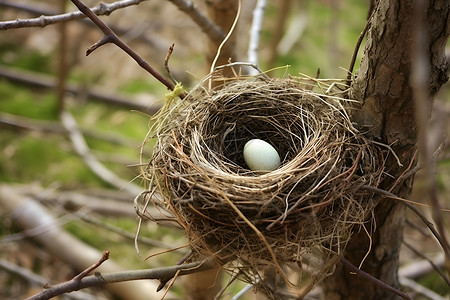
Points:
(387, 112)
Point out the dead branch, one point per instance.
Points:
(376, 281)
(421, 268)
(100, 279)
(420, 289)
(214, 32)
(411, 207)
(40, 80)
(430, 262)
(101, 9)
(28, 214)
(19, 122)
(41, 281)
(110, 37)
(91, 161)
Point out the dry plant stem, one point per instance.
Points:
(41, 281)
(357, 46)
(163, 281)
(166, 63)
(420, 289)
(27, 213)
(411, 207)
(84, 273)
(44, 81)
(374, 280)
(101, 9)
(129, 235)
(110, 37)
(100, 279)
(435, 267)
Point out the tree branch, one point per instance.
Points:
(374, 280)
(94, 93)
(214, 32)
(27, 213)
(42, 21)
(39, 280)
(110, 37)
(91, 161)
(100, 279)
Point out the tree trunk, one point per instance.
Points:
(387, 112)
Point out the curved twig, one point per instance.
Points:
(99, 279)
(110, 37)
(376, 281)
(42, 21)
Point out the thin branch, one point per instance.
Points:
(110, 37)
(420, 289)
(376, 281)
(91, 161)
(93, 93)
(411, 207)
(84, 273)
(41, 281)
(213, 31)
(258, 14)
(100, 279)
(357, 46)
(128, 235)
(424, 257)
(42, 21)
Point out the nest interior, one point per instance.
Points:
(307, 206)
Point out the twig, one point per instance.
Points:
(411, 207)
(357, 46)
(233, 26)
(163, 281)
(242, 292)
(166, 63)
(420, 289)
(39, 280)
(100, 279)
(41, 80)
(91, 161)
(420, 268)
(433, 265)
(84, 273)
(258, 14)
(129, 235)
(29, 214)
(101, 9)
(376, 281)
(213, 31)
(110, 37)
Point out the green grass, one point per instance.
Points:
(15, 99)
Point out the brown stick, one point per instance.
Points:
(376, 281)
(110, 37)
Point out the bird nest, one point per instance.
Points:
(307, 207)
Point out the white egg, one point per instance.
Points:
(261, 156)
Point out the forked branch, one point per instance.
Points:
(110, 37)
